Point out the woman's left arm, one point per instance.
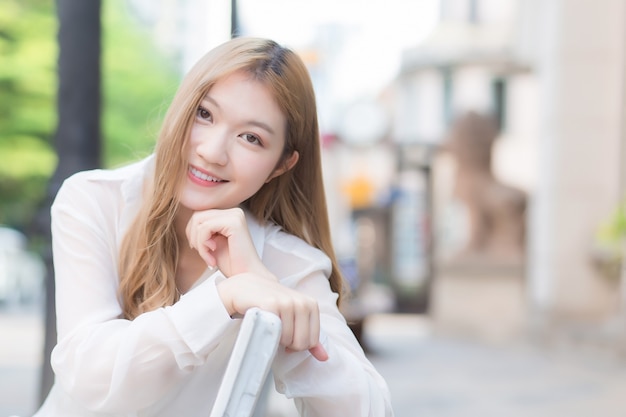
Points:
(346, 384)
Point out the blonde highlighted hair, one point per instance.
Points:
(295, 200)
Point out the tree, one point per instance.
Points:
(77, 137)
(27, 118)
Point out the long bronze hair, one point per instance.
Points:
(295, 200)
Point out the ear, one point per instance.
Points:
(285, 166)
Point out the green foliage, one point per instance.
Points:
(27, 117)
(27, 74)
(609, 245)
(612, 232)
(138, 83)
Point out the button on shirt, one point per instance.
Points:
(169, 362)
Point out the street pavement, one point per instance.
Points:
(21, 353)
(428, 375)
(443, 377)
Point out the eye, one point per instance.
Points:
(250, 138)
(204, 114)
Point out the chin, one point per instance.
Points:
(197, 205)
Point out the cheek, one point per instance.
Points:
(256, 165)
(257, 172)
(193, 139)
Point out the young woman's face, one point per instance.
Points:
(236, 142)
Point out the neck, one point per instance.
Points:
(183, 214)
(190, 266)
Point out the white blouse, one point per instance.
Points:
(169, 362)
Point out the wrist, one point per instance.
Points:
(224, 290)
(265, 273)
(257, 268)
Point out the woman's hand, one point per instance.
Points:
(299, 313)
(222, 239)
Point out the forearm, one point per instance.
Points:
(344, 385)
(121, 365)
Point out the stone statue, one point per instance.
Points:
(496, 211)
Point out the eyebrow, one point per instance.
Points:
(256, 123)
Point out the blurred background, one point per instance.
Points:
(475, 166)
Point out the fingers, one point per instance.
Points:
(299, 315)
(286, 335)
(319, 352)
(206, 253)
(301, 327)
(222, 239)
(298, 312)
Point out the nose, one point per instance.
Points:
(213, 147)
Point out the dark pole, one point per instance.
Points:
(77, 138)
(234, 19)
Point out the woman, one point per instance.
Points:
(154, 260)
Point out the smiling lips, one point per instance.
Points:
(201, 178)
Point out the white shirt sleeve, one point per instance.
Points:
(101, 361)
(347, 383)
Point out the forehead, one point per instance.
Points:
(243, 83)
(243, 98)
(241, 86)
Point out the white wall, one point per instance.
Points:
(580, 68)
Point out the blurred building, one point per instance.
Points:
(552, 74)
(576, 50)
(21, 271)
(185, 29)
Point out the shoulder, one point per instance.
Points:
(289, 256)
(126, 173)
(100, 184)
(285, 242)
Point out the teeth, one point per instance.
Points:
(203, 176)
